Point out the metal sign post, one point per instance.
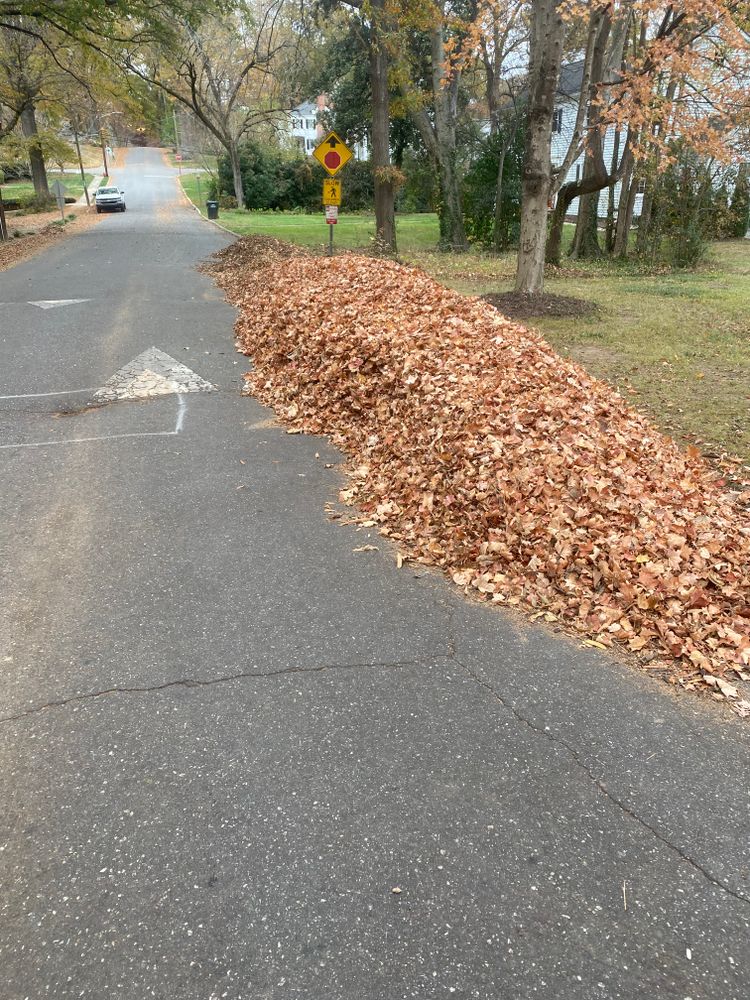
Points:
(59, 191)
(332, 217)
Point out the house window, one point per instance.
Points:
(578, 172)
(310, 144)
(311, 123)
(641, 189)
(557, 120)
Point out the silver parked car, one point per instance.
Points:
(110, 198)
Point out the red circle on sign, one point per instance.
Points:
(332, 159)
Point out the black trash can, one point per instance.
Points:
(212, 208)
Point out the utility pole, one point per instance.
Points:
(3, 223)
(80, 160)
(104, 151)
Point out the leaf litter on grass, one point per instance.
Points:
(478, 449)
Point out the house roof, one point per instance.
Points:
(306, 108)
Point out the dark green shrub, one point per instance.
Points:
(683, 210)
(274, 181)
(739, 209)
(480, 191)
(420, 193)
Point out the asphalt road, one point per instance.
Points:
(226, 737)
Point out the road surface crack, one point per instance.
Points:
(597, 781)
(191, 682)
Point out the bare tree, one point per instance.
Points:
(227, 71)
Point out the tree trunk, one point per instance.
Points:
(452, 232)
(609, 238)
(625, 213)
(445, 93)
(36, 157)
(553, 249)
(547, 31)
(497, 235)
(586, 239)
(234, 159)
(644, 222)
(385, 215)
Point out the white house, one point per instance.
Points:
(563, 123)
(306, 127)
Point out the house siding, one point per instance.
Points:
(566, 111)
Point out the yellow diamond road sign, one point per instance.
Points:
(332, 153)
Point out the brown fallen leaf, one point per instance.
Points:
(727, 689)
(366, 548)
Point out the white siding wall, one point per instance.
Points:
(566, 112)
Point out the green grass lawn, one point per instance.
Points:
(351, 231)
(200, 161)
(677, 344)
(25, 189)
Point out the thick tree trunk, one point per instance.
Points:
(234, 159)
(385, 193)
(451, 214)
(586, 239)
(553, 250)
(36, 157)
(497, 235)
(547, 31)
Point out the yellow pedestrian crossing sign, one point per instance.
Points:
(331, 191)
(332, 153)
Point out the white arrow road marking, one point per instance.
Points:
(152, 373)
(54, 303)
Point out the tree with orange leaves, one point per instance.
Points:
(651, 70)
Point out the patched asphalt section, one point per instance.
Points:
(227, 736)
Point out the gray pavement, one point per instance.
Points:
(227, 737)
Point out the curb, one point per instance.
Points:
(202, 216)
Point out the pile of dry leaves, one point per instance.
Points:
(478, 449)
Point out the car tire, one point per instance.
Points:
(98, 211)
